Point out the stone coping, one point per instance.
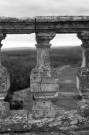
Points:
(23, 121)
(61, 18)
(56, 24)
(12, 19)
(44, 19)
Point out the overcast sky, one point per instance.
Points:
(31, 8)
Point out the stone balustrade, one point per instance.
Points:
(44, 81)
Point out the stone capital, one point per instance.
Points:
(2, 36)
(84, 37)
(44, 38)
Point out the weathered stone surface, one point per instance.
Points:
(2, 36)
(43, 78)
(63, 123)
(17, 25)
(83, 77)
(62, 24)
(61, 18)
(45, 86)
(83, 132)
(5, 124)
(84, 36)
(59, 24)
(4, 75)
(66, 121)
(43, 109)
(4, 109)
(4, 81)
(45, 116)
(18, 120)
(44, 74)
(83, 108)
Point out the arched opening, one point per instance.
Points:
(19, 41)
(66, 57)
(65, 50)
(19, 57)
(20, 62)
(65, 40)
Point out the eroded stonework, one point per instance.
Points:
(43, 109)
(43, 78)
(4, 109)
(4, 79)
(45, 116)
(83, 75)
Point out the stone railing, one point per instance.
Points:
(43, 79)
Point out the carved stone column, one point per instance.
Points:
(4, 84)
(43, 80)
(83, 75)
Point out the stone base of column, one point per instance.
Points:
(83, 80)
(43, 109)
(44, 80)
(83, 108)
(83, 87)
(4, 109)
(46, 85)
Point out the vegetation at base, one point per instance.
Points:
(20, 63)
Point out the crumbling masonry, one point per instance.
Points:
(44, 81)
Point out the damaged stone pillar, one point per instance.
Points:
(44, 81)
(83, 75)
(4, 85)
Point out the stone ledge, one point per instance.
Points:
(22, 20)
(16, 121)
(44, 19)
(57, 24)
(61, 18)
(22, 121)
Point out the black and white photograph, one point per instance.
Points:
(44, 67)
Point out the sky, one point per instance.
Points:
(32, 8)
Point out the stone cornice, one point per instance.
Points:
(12, 19)
(57, 24)
(61, 18)
(45, 19)
(17, 25)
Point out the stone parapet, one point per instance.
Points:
(45, 116)
(23, 122)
